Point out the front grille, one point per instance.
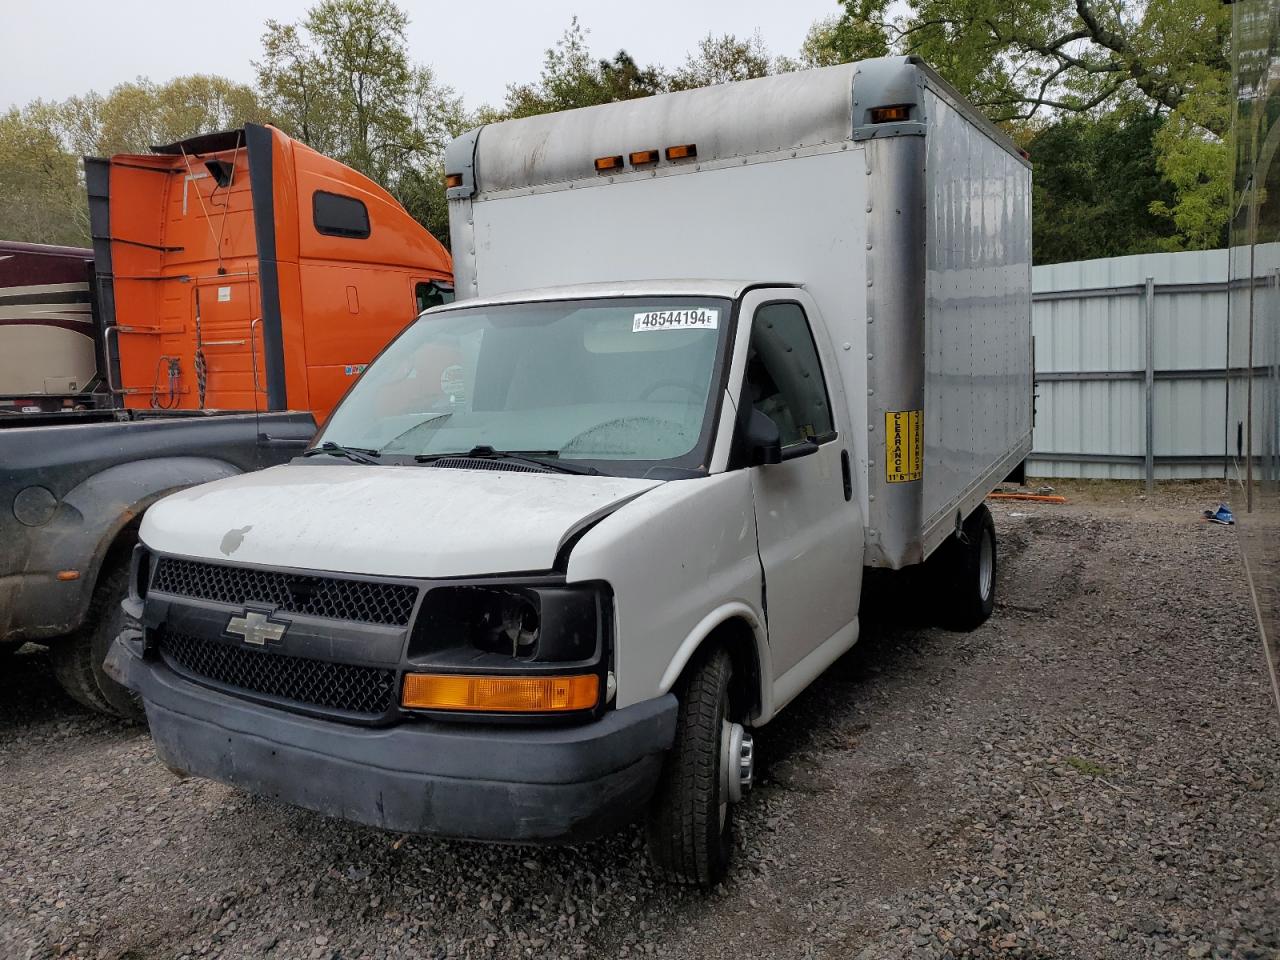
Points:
(317, 683)
(363, 601)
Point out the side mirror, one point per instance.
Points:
(763, 441)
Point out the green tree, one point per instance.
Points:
(1095, 180)
(573, 77)
(135, 116)
(1047, 57)
(342, 81)
(42, 195)
(858, 32)
(723, 59)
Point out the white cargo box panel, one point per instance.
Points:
(912, 236)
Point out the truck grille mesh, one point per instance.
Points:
(317, 683)
(318, 596)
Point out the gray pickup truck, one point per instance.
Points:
(73, 488)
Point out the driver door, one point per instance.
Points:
(808, 522)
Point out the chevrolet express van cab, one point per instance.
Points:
(571, 539)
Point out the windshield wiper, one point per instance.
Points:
(355, 454)
(548, 459)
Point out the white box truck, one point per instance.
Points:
(570, 539)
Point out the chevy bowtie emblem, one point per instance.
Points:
(256, 628)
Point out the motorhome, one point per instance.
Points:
(46, 327)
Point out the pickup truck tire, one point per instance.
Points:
(77, 659)
(965, 573)
(689, 823)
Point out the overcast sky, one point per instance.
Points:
(56, 48)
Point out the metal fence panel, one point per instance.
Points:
(1130, 356)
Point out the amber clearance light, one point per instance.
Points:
(444, 691)
(895, 114)
(452, 180)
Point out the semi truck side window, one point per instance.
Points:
(784, 377)
(337, 216)
(431, 295)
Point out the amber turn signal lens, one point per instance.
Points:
(641, 157)
(443, 691)
(604, 164)
(682, 152)
(890, 114)
(452, 180)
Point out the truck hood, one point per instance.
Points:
(398, 521)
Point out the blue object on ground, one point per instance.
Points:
(1222, 515)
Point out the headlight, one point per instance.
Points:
(532, 647)
(534, 623)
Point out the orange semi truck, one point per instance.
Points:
(239, 283)
(244, 271)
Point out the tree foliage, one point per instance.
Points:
(858, 32)
(342, 81)
(1125, 105)
(1039, 58)
(723, 59)
(42, 197)
(1094, 182)
(573, 77)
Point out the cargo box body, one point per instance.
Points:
(910, 227)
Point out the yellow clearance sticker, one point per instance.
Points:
(903, 445)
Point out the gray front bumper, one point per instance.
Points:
(473, 781)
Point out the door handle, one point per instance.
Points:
(846, 471)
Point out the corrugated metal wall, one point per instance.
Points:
(1095, 322)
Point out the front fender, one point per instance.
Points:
(677, 557)
(708, 625)
(83, 528)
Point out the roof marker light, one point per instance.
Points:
(894, 114)
(607, 164)
(452, 180)
(641, 157)
(684, 151)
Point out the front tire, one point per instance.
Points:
(77, 659)
(965, 573)
(690, 819)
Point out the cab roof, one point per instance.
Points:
(728, 289)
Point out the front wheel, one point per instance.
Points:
(77, 659)
(690, 820)
(964, 573)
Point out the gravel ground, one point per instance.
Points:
(1094, 773)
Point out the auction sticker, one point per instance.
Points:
(697, 318)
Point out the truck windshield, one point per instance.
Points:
(624, 384)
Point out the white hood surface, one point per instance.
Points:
(396, 521)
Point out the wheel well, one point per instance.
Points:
(119, 548)
(737, 637)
